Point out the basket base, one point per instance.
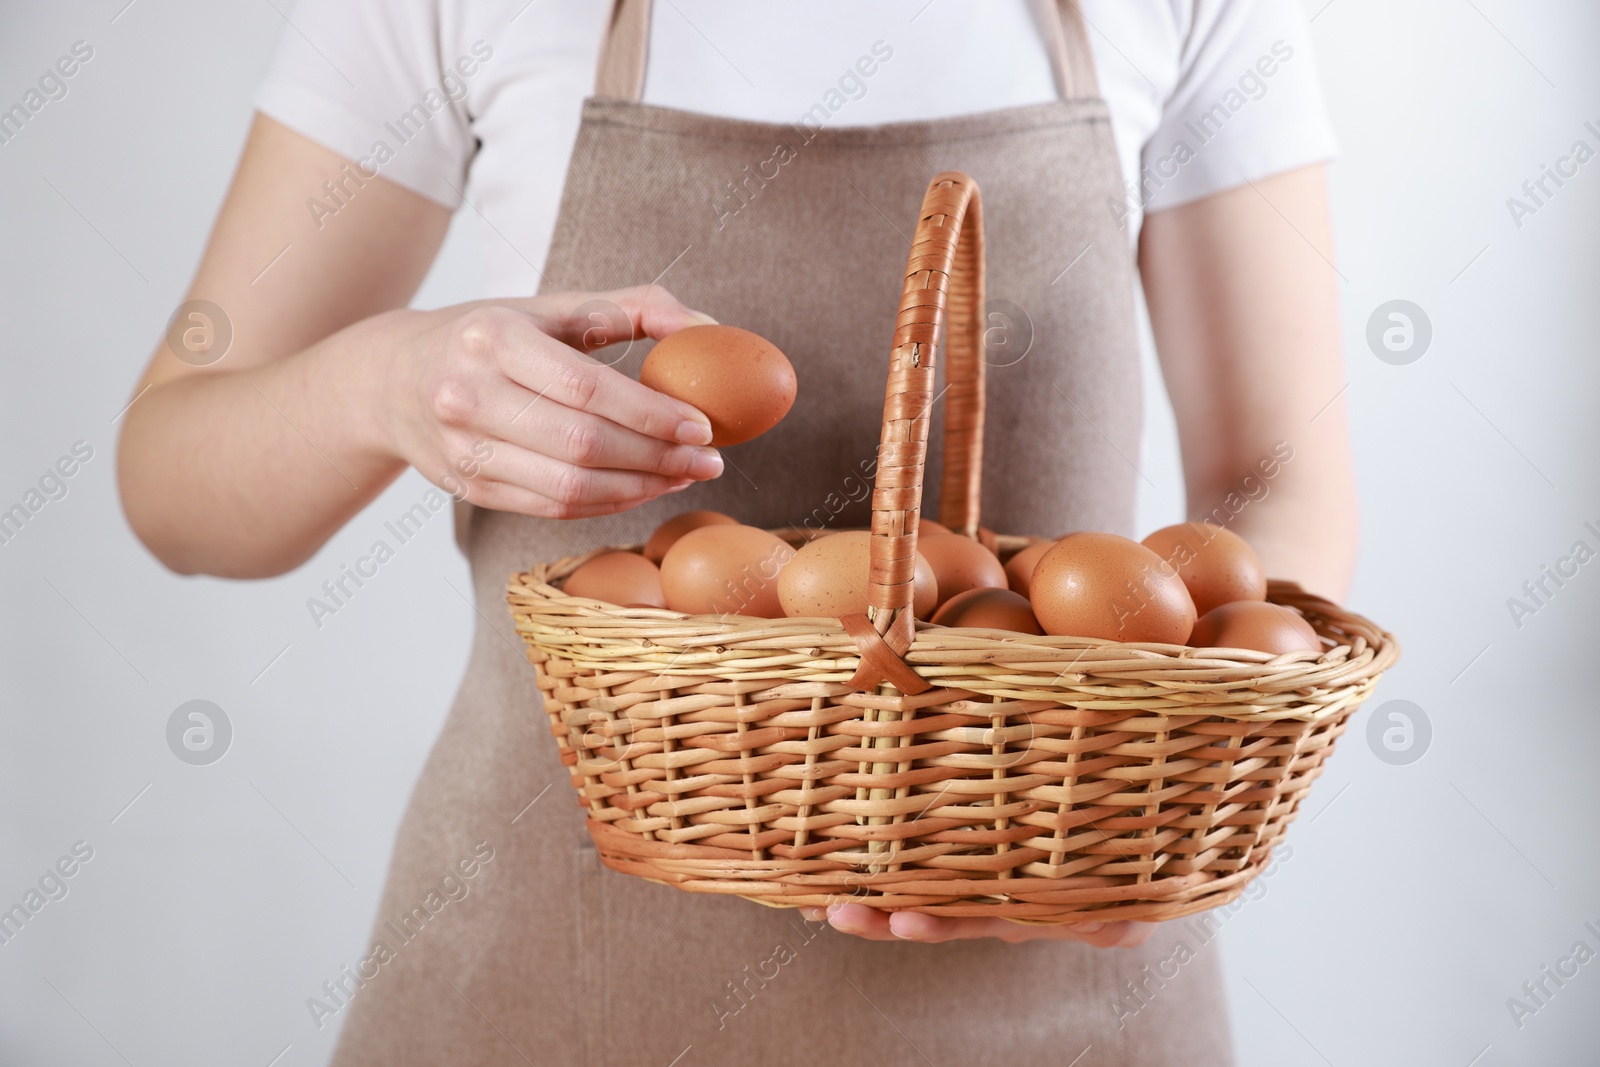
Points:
(1031, 901)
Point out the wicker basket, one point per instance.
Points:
(953, 771)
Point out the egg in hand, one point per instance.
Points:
(738, 379)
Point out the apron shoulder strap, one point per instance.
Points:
(1068, 43)
(626, 47)
(623, 49)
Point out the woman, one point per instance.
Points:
(763, 165)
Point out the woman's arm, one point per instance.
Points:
(243, 468)
(1243, 302)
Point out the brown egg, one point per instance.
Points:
(1102, 585)
(829, 578)
(960, 563)
(989, 609)
(624, 578)
(1019, 568)
(667, 534)
(924, 588)
(725, 570)
(1216, 565)
(739, 380)
(929, 528)
(1255, 624)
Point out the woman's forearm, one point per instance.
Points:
(245, 474)
(1244, 307)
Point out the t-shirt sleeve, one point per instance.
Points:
(372, 80)
(1247, 103)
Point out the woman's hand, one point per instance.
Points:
(499, 403)
(876, 925)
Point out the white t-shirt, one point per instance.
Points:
(1204, 94)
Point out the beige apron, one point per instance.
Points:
(542, 955)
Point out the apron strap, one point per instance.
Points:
(626, 45)
(1068, 43)
(623, 49)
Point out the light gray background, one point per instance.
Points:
(1418, 898)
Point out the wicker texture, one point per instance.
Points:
(953, 771)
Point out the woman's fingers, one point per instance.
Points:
(913, 926)
(572, 485)
(876, 925)
(861, 920)
(587, 321)
(552, 371)
(586, 440)
(504, 496)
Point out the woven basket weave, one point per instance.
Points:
(957, 772)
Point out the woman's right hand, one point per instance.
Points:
(499, 403)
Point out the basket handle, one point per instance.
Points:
(943, 286)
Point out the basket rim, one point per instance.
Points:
(1233, 683)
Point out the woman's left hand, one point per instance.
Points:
(876, 925)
